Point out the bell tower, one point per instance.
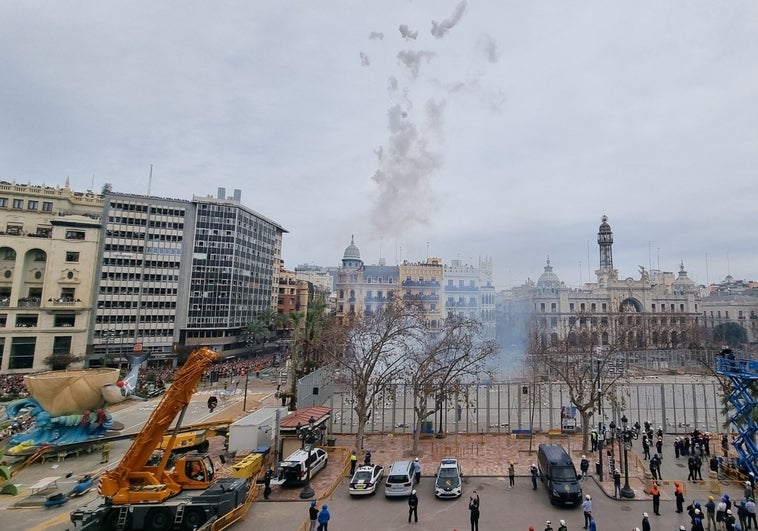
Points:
(605, 242)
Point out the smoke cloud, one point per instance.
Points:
(405, 167)
(376, 35)
(489, 46)
(412, 59)
(365, 60)
(407, 34)
(439, 30)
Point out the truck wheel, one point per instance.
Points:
(193, 518)
(158, 520)
(111, 520)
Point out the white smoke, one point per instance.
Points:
(489, 46)
(407, 34)
(412, 59)
(376, 35)
(365, 60)
(439, 30)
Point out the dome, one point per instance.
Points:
(351, 251)
(683, 283)
(548, 279)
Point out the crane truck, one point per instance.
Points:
(138, 495)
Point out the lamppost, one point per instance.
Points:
(247, 379)
(308, 437)
(610, 435)
(600, 433)
(626, 490)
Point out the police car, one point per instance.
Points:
(448, 483)
(365, 480)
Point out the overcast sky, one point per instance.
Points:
(425, 128)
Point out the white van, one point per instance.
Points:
(294, 469)
(400, 481)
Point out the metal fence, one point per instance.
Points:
(677, 404)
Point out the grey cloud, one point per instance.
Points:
(440, 29)
(365, 60)
(407, 34)
(489, 46)
(376, 35)
(412, 59)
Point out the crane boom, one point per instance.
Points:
(132, 470)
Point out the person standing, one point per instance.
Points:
(313, 516)
(710, 513)
(616, 484)
(562, 526)
(548, 526)
(473, 507)
(353, 462)
(593, 439)
(645, 447)
(584, 466)
(645, 522)
(655, 492)
(413, 506)
(679, 495)
(587, 509)
(750, 505)
(748, 490)
(267, 483)
(323, 519)
(534, 473)
(106, 452)
(511, 475)
(417, 470)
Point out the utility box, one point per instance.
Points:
(254, 430)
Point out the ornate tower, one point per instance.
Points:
(605, 241)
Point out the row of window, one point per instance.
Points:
(31, 204)
(31, 320)
(137, 276)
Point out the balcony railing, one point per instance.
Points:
(420, 283)
(29, 303)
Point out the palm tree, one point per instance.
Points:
(256, 331)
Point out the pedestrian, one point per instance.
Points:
(413, 506)
(679, 495)
(593, 440)
(587, 509)
(584, 466)
(313, 515)
(645, 447)
(511, 475)
(534, 471)
(720, 512)
(562, 526)
(655, 492)
(353, 462)
(323, 519)
(548, 526)
(645, 522)
(267, 483)
(742, 514)
(106, 452)
(748, 490)
(417, 470)
(697, 525)
(729, 520)
(710, 513)
(752, 523)
(617, 483)
(473, 507)
(367, 458)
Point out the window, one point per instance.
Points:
(18, 203)
(62, 345)
(26, 321)
(32, 205)
(14, 230)
(22, 353)
(47, 206)
(4, 202)
(74, 235)
(72, 256)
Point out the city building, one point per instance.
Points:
(421, 284)
(468, 291)
(48, 240)
(177, 274)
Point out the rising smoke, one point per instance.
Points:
(439, 30)
(365, 60)
(376, 35)
(489, 46)
(407, 34)
(412, 59)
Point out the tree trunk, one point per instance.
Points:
(585, 414)
(361, 413)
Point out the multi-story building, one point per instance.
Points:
(321, 278)
(655, 311)
(293, 293)
(48, 238)
(421, 283)
(180, 273)
(468, 291)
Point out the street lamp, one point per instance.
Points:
(308, 437)
(610, 436)
(600, 433)
(247, 379)
(626, 490)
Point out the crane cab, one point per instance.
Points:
(194, 471)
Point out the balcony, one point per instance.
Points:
(29, 302)
(421, 283)
(462, 288)
(424, 298)
(378, 299)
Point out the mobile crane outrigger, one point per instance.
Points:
(135, 495)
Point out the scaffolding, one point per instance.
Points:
(741, 372)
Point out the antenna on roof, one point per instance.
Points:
(150, 180)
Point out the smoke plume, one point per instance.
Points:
(439, 30)
(412, 59)
(407, 34)
(376, 35)
(489, 46)
(365, 60)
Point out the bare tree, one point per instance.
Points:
(581, 355)
(440, 362)
(373, 353)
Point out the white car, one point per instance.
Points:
(365, 480)
(448, 482)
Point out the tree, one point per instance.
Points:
(372, 355)
(731, 334)
(256, 331)
(441, 361)
(297, 317)
(580, 354)
(60, 361)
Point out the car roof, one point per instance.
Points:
(448, 462)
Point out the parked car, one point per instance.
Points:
(294, 469)
(365, 480)
(400, 479)
(448, 482)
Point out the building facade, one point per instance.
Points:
(469, 291)
(49, 238)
